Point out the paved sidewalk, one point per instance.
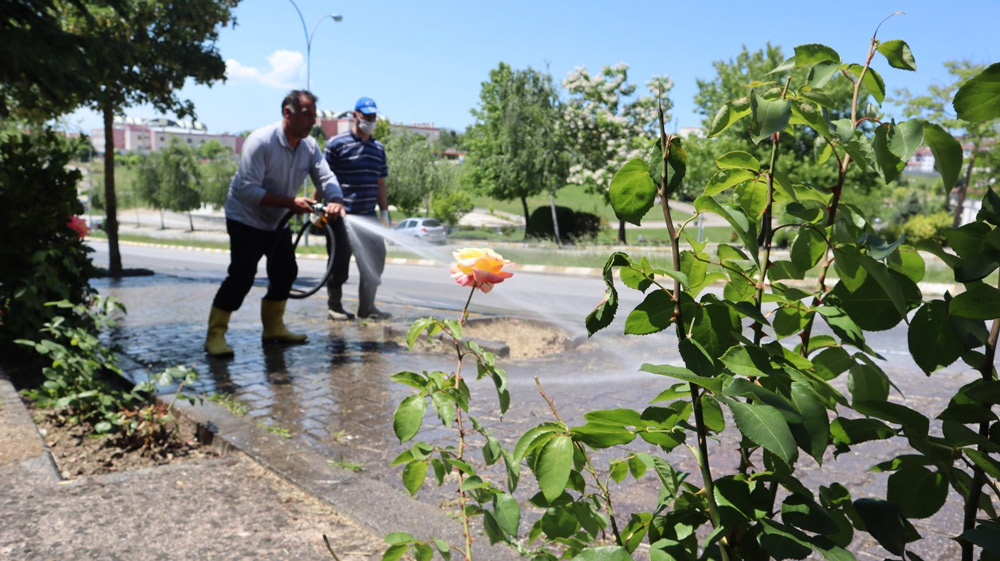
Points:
(231, 508)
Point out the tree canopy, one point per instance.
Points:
(515, 149)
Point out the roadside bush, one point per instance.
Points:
(83, 379)
(573, 225)
(927, 228)
(43, 257)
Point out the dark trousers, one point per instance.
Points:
(369, 254)
(246, 246)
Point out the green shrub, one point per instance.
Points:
(42, 259)
(573, 225)
(926, 228)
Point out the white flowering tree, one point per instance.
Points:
(606, 126)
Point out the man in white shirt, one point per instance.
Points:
(274, 162)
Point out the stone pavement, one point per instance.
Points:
(334, 398)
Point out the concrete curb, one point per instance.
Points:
(376, 506)
(32, 456)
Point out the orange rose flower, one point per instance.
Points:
(481, 268)
(77, 225)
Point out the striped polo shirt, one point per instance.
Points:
(358, 166)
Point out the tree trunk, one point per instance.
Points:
(555, 220)
(110, 201)
(621, 231)
(524, 205)
(190, 221)
(960, 206)
(163, 225)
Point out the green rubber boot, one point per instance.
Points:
(215, 340)
(272, 316)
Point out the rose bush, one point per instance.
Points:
(77, 224)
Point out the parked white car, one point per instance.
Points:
(430, 230)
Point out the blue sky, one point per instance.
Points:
(424, 62)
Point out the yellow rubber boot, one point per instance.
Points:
(215, 340)
(272, 316)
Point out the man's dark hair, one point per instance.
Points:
(294, 99)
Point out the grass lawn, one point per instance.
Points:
(574, 197)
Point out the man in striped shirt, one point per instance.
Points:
(358, 160)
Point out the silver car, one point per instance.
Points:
(430, 230)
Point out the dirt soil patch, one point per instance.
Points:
(78, 452)
(524, 338)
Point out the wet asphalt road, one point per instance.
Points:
(334, 393)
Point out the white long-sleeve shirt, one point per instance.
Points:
(270, 165)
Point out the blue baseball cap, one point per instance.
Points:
(366, 105)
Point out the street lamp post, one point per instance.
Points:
(309, 37)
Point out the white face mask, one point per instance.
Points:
(367, 127)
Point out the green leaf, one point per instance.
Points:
(918, 491)
(744, 229)
(769, 117)
(806, 514)
(747, 361)
(893, 146)
(884, 522)
(862, 151)
(783, 542)
(395, 552)
(597, 435)
(979, 98)
(807, 249)
(618, 417)
(418, 327)
(842, 325)
(552, 466)
(473, 482)
(867, 382)
(914, 424)
(411, 379)
(822, 72)
(712, 384)
(979, 301)
(728, 115)
(408, 417)
(819, 96)
(811, 115)
(604, 553)
(559, 523)
(931, 341)
(604, 313)
(813, 434)
(986, 535)
(738, 159)
(413, 476)
(444, 407)
(989, 466)
(507, 513)
(654, 314)
(807, 55)
(855, 431)
(978, 248)
(990, 211)
(752, 197)
(765, 426)
(733, 497)
(898, 53)
(871, 81)
(726, 178)
(947, 153)
(632, 191)
(533, 438)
